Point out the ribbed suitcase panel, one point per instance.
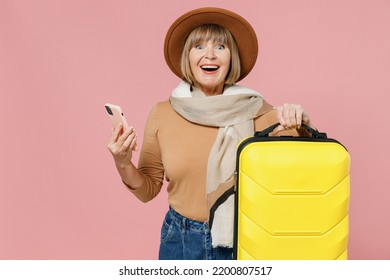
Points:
(293, 200)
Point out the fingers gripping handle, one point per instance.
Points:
(267, 131)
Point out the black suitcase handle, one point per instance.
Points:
(314, 133)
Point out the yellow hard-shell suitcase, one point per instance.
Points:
(292, 198)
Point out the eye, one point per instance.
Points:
(220, 47)
(199, 47)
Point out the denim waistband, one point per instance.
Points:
(186, 223)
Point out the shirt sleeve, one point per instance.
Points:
(150, 162)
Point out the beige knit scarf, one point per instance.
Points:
(233, 113)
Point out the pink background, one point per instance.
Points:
(60, 61)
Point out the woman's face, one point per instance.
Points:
(210, 63)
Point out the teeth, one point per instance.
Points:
(209, 67)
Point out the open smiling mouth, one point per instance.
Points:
(209, 68)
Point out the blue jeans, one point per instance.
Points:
(186, 239)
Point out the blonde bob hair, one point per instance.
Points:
(218, 34)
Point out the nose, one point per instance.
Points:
(210, 54)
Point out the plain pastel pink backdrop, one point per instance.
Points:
(60, 61)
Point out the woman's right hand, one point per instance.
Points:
(122, 144)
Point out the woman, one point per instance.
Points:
(192, 138)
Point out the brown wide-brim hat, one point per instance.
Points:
(241, 30)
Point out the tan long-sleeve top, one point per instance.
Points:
(179, 149)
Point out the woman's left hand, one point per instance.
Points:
(291, 116)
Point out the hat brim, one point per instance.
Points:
(241, 30)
